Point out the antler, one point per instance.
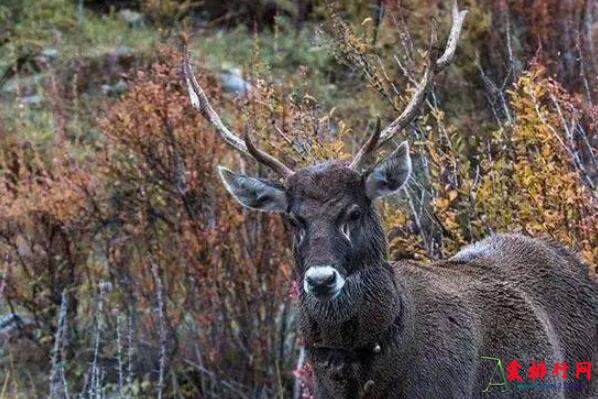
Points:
(434, 65)
(200, 102)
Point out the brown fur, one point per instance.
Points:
(522, 300)
(413, 331)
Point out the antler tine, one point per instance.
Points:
(265, 158)
(200, 102)
(434, 65)
(368, 148)
(451, 45)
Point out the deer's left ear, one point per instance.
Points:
(390, 174)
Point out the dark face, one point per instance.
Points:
(337, 233)
(336, 229)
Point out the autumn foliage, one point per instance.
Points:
(147, 226)
(527, 176)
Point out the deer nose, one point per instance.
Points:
(322, 281)
(320, 278)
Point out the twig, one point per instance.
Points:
(161, 326)
(57, 376)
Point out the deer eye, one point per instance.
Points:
(354, 215)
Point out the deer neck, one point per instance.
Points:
(372, 308)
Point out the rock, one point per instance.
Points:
(120, 57)
(116, 89)
(24, 85)
(133, 18)
(34, 101)
(121, 86)
(106, 89)
(123, 52)
(49, 54)
(233, 82)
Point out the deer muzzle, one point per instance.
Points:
(323, 282)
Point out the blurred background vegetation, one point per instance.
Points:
(125, 268)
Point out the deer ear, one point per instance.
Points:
(254, 193)
(389, 174)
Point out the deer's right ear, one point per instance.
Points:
(390, 174)
(254, 193)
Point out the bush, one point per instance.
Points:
(198, 289)
(526, 177)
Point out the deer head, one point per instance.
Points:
(337, 232)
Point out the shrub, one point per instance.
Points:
(151, 245)
(525, 177)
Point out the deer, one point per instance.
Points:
(373, 328)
